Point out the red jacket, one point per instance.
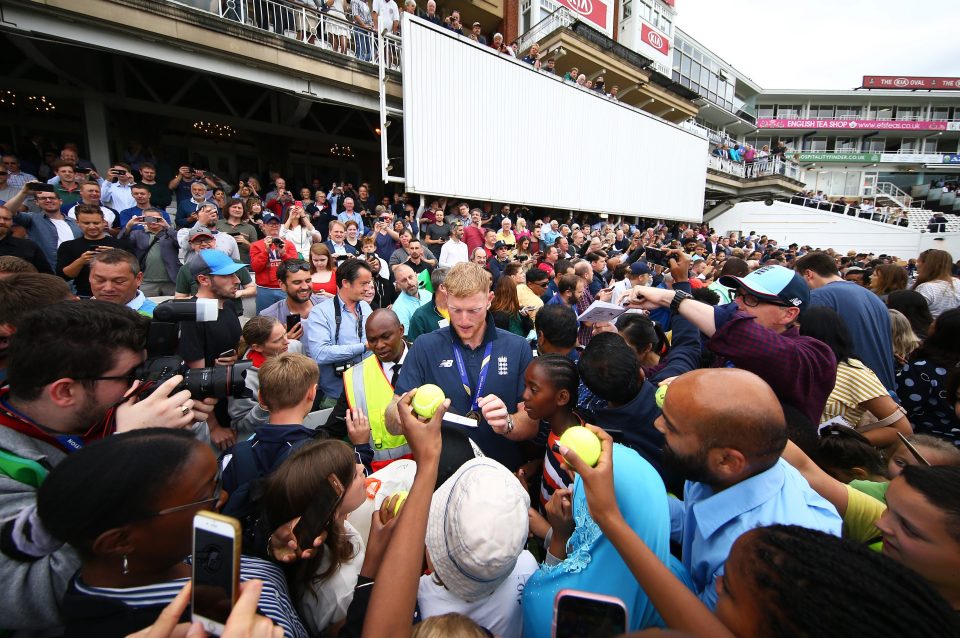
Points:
(264, 267)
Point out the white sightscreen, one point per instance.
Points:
(481, 126)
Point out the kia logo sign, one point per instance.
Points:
(656, 40)
(583, 7)
(901, 82)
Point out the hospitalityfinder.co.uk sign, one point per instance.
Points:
(852, 125)
(838, 157)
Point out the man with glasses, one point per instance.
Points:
(48, 228)
(479, 368)
(294, 278)
(758, 332)
(7, 191)
(16, 247)
(70, 364)
(15, 177)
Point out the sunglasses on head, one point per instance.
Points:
(296, 266)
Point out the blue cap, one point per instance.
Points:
(639, 268)
(213, 262)
(773, 283)
(269, 217)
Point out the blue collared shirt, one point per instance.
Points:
(319, 337)
(354, 216)
(405, 305)
(707, 523)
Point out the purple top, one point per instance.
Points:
(801, 370)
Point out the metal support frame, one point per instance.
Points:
(385, 112)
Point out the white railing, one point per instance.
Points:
(305, 22)
(889, 191)
(885, 214)
(761, 167)
(559, 18)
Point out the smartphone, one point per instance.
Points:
(152, 220)
(292, 321)
(227, 353)
(216, 569)
(580, 614)
(319, 512)
(39, 187)
(298, 204)
(83, 170)
(657, 256)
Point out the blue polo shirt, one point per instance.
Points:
(431, 360)
(707, 523)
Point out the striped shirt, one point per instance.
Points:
(554, 476)
(274, 602)
(856, 383)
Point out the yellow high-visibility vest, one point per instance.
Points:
(369, 390)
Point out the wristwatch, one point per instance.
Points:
(678, 297)
(510, 424)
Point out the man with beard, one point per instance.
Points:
(70, 364)
(211, 343)
(294, 278)
(410, 297)
(724, 433)
(368, 389)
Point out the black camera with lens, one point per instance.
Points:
(163, 362)
(276, 241)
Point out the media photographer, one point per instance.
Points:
(214, 343)
(71, 365)
(334, 332)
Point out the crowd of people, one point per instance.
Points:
(778, 426)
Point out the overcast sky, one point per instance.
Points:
(827, 44)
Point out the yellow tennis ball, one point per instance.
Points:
(400, 501)
(661, 395)
(428, 398)
(584, 442)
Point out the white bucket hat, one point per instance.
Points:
(477, 528)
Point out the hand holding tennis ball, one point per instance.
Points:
(401, 496)
(584, 442)
(427, 399)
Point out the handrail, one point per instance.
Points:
(892, 192)
(885, 214)
(761, 167)
(561, 17)
(311, 26)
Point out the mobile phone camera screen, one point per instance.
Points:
(212, 575)
(584, 618)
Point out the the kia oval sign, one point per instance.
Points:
(910, 83)
(655, 39)
(593, 11)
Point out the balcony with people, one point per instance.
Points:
(595, 62)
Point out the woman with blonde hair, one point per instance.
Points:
(905, 340)
(299, 231)
(936, 282)
(322, 271)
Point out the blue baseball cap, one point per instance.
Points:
(775, 284)
(268, 218)
(213, 262)
(639, 268)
